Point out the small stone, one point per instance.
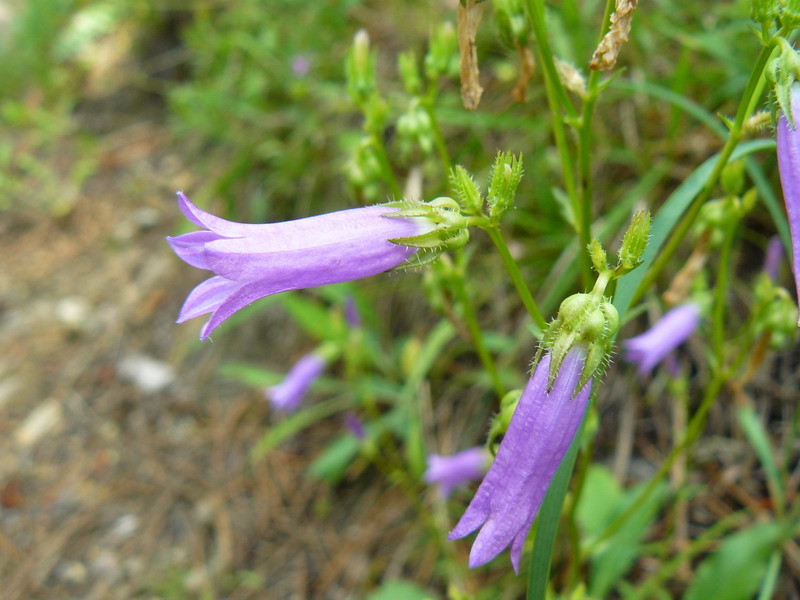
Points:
(148, 374)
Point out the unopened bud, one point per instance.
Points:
(407, 67)
(733, 178)
(442, 57)
(504, 181)
(634, 242)
(360, 68)
(763, 11)
(790, 13)
(469, 196)
(598, 254)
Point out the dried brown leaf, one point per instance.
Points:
(605, 56)
(469, 17)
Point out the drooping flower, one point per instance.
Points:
(449, 472)
(289, 393)
(539, 434)
(674, 328)
(253, 261)
(789, 167)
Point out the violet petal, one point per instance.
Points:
(289, 393)
(674, 328)
(789, 167)
(537, 439)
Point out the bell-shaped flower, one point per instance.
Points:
(789, 167)
(651, 347)
(289, 393)
(539, 434)
(253, 261)
(449, 472)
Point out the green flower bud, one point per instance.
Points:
(598, 254)
(733, 178)
(407, 67)
(763, 11)
(360, 69)
(442, 57)
(634, 242)
(504, 180)
(469, 196)
(790, 13)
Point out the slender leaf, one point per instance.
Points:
(670, 213)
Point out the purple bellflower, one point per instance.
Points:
(253, 261)
(538, 436)
(789, 167)
(651, 347)
(288, 394)
(449, 472)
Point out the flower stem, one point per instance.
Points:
(438, 139)
(720, 293)
(536, 15)
(474, 329)
(386, 167)
(559, 102)
(753, 89)
(516, 276)
(583, 212)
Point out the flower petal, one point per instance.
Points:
(789, 167)
(207, 297)
(190, 247)
(537, 439)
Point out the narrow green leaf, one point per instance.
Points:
(757, 436)
(548, 520)
(670, 213)
(313, 317)
(295, 423)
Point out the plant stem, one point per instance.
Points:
(386, 167)
(536, 15)
(754, 85)
(720, 294)
(584, 206)
(474, 329)
(516, 275)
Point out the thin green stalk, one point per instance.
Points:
(584, 212)
(386, 167)
(516, 276)
(567, 172)
(734, 136)
(475, 331)
(720, 295)
(559, 102)
(579, 478)
(536, 15)
(438, 138)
